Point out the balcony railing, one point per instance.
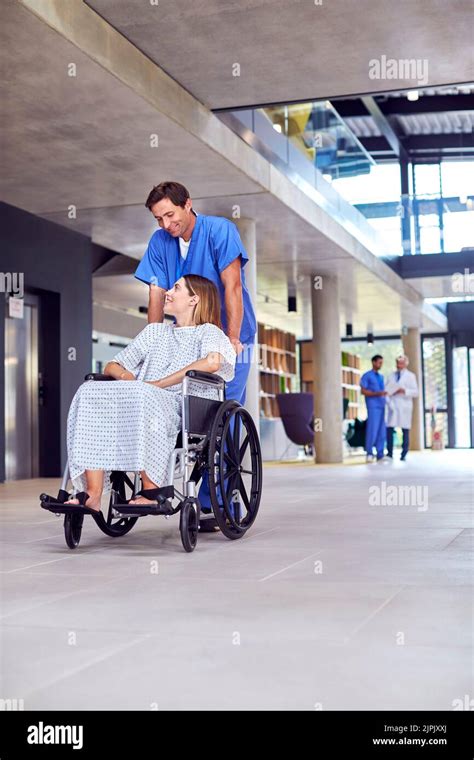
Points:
(315, 148)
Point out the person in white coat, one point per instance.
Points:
(402, 388)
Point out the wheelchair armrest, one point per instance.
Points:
(97, 376)
(209, 377)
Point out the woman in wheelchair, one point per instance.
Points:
(132, 424)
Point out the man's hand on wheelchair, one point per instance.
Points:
(238, 347)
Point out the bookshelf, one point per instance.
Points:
(350, 376)
(277, 366)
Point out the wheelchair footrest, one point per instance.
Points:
(161, 504)
(140, 510)
(70, 509)
(56, 503)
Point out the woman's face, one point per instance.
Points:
(178, 301)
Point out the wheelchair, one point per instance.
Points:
(218, 436)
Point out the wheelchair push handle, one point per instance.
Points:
(194, 374)
(97, 376)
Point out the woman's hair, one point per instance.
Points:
(208, 309)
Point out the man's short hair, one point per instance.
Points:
(377, 356)
(176, 192)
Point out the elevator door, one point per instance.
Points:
(21, 392)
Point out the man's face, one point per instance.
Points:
(377, 364)
(400, 364)
(173, 219)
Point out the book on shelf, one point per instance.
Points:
(277, 364)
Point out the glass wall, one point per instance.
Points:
(435, 389)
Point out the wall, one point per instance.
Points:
(57, 264)
(461, 322)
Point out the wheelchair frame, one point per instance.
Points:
(211, 445)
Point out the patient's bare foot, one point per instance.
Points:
(93, 502)
(147, 484)
(140, 500)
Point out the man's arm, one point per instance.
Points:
(411, 389)
(234, 305)
(366, 392)
(156, 301)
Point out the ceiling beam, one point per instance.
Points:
(385, 127)
(461, 141)
(425, 104)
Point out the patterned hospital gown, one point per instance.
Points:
(132, 425)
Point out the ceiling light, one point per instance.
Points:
(292, 303)
(413, 95)
(277, 127)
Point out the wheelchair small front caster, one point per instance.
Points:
(73, 529)
(189, 524)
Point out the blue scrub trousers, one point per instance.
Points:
(375, 431)
(233, 390)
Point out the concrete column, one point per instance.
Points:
(247, 231)
(327, 369)
(412, 348)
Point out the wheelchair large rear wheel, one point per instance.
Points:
(235, 469)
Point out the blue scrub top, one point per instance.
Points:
(373, 381)
(215, 243)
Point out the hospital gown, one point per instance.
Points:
(132, 425)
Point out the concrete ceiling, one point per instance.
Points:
(297, 50)
(85, 141)
(438, 287)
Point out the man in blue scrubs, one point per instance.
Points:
(373, 388)
(190, 243)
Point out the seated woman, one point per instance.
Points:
(132, 426)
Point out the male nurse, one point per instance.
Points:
(372, 387)
(190, 243)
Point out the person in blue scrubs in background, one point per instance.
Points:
(373, 388)
(190, 243)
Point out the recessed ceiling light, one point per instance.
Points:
(413, 95)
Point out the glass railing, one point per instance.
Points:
(313, 146)
(316, 148)
(318, 132)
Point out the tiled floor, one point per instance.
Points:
(329, 602)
